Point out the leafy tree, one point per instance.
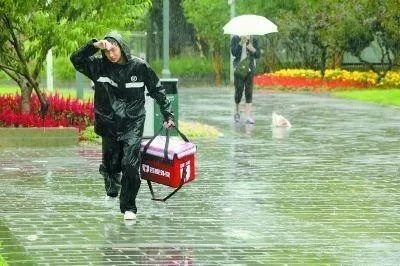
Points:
(392, 26)
(181, 32)
(323, 31)
(30, 28)
(374, 20)
(310, 33)
(208, 17)
(270, 9)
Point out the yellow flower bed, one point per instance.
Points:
(195, 129)
(392, 78)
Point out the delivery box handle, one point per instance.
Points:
(167, 133)
(153, 197)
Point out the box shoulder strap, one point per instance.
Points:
(153, 197)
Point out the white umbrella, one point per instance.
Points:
(249, 25)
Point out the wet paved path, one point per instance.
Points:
(325, 192)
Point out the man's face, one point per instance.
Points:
(114, 53)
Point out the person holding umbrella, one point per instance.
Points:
(245, 51)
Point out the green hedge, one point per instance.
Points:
(191, 67)
(63, 69)
(186, 66)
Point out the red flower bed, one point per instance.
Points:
(301, 83)
(63, 112)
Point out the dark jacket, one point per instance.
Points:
(236, 50)
(119, 98)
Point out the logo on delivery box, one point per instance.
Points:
(152, 170)
(185, 165)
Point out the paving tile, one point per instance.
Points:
(324, 192)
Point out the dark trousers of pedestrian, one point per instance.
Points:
(246, 85)
(122, 156)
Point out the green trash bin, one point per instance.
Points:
(154, 118)
(171, 90)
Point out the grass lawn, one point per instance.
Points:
(8, 90)
(385, 97)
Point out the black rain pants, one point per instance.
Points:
(245, 84)
(122, 156)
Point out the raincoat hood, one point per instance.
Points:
(125, 51)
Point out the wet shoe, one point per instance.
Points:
(129, 224)
(111, 186)
(110, 201)
(236, 117)
(109, 198)
(250, 121)
(129, 215)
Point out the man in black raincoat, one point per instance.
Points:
(119, 81)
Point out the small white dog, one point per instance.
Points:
(279, 121)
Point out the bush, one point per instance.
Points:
(192, 67)
(186, 66)
(89, 135)
(63, 112)
(179, 66)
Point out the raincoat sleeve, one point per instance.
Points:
(156, 91)
(236, 48)
(257, 53)
(84, 61)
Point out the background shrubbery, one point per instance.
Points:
(63, 112)
(189, 69)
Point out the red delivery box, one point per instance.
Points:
(168, 161)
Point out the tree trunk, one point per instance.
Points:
(324, 56)
(217, 65)
(26, 92)
(336, 60)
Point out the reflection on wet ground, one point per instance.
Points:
(325, 191)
